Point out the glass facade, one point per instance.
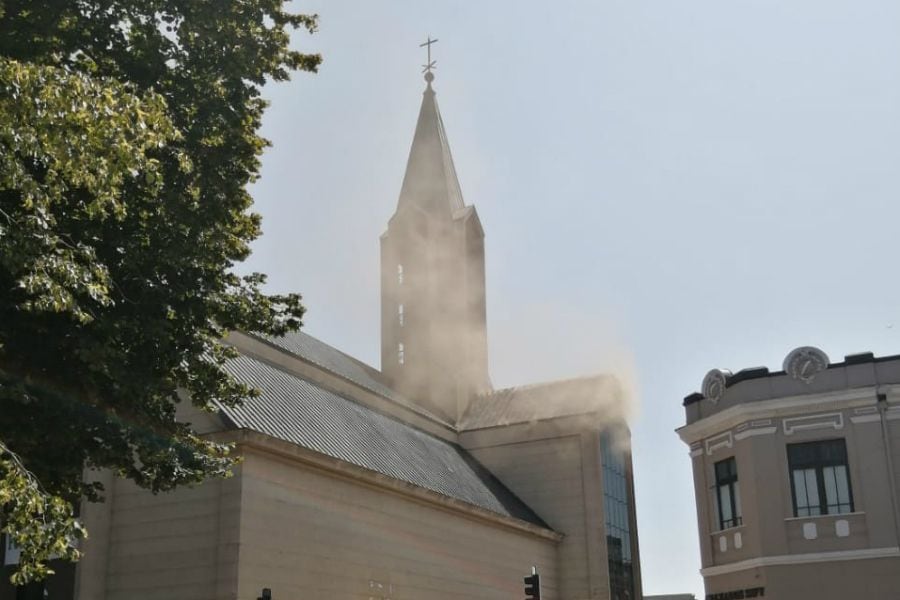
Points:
(617, 503)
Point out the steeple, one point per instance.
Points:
(433, 309)
(430, 182)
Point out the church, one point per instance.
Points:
(416, 481)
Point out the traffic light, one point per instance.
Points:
(533, 586)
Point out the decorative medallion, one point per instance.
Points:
(805, 362)
(714, 385)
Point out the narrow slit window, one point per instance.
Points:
(400, 274)
(401, 353)
(400, 318)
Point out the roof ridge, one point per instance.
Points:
(397, 398)
(367, 366)
(538, 384)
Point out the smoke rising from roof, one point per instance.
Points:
(545, 342)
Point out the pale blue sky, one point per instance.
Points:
(666, 187)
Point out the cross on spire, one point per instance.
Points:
(431, 64)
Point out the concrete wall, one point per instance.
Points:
(546, 475)
(443, 293)
(180, 545)
(875, 579)
(554, 467)
(97, 518)
(306, 533)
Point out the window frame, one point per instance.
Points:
(818, 465)
(730, 481)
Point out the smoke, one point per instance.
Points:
(434, 345)
(550, 341)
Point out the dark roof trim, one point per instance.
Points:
(857, 359)
(746, 374)
(692, 398)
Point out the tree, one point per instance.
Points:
(128, 137)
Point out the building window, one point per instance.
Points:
(728, 493)
(820, 480)
(400, 314)
(400, 274)
(401, 353)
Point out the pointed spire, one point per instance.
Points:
(430, 182)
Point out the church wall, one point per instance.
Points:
(307, 533)
(179, 545)
(475, 307)
(97, 516)
(410, 246)
(434, 267)
(547, 474)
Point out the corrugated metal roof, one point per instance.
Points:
(331, 359)
(298, 411)
(542, 401)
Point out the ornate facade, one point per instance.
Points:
(795, 478)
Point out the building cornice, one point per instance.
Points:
(789, 405)
(335, 467)
(800, 559)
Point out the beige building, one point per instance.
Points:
(416, 481)
(795, 478)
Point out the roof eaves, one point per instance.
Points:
(533, 524)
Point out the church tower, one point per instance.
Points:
(433, 313)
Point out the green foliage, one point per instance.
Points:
(41, 524)
(69, 135)
(128, 136)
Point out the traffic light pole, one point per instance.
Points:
(533, 585)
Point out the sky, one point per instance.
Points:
(666, 188)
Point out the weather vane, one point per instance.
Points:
(431, 64)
